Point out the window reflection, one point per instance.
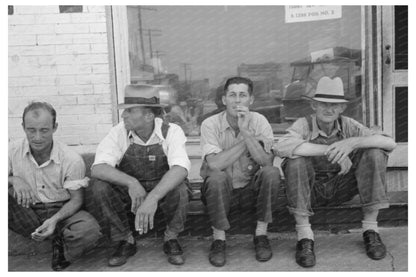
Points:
(194, 49)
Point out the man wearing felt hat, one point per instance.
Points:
(141, 164)
(328, 159)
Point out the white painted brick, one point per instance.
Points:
(71, 28)
(48, 80)
(32, 50)
(95, 9)
(31, 70)
(47, 60)
(54, 39)
(99, 48)
(66, 80)
(76, 89)
(88, 17)
(37, 29)
(15, 121)
(104, 128)
(68, 140)
(60, 100)
(100, 79)
(103, 108)
(100, 68)
(74, 69)
(92, 139)
(89, 38)
(15, 133)
(98, 118)
(76, 109)
(73, 49)
(82, 59)
(76, 130)
(26, 81)
(32, 91)
(36, 9)
(94, 99)
(102, 89)
(16, 107)
(84, 79)
(53, 18)
(68, 120)
(22, 40)
(98, 27)
(18, 19)
(23, 60)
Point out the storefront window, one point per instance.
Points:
(285, 50)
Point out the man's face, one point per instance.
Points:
(39, 129)
(327, 112)
(235, 96)
(134, 118)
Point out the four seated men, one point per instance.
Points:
(142, 164)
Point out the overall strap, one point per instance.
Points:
(309, 120)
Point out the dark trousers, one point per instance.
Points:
(367, 177)
(111, 205)
(218, 195)
(80, 232)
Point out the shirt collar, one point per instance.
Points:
(224, 125)
(156, 131)
(54, 152)
(316, 131)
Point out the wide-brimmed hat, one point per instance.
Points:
(145, 96)
(330, 90)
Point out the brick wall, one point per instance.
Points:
(61, 58)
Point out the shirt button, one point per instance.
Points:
(43, 187)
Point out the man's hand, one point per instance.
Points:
(339, 151)
(243, 117)
(23, 192)
(45, 230)
(137, 195)
(345, 166)
(145, 215)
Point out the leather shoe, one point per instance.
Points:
(374, 247)
(173, 249)
(123, 251)
(59, 262)
(263, 249)
(217, 253)
(304, 253)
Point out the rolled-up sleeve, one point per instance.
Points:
(75, 174)
(176, 148)
(296, 135)
(209, 139)
(109, 150)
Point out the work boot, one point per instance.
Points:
(173, 249)
(59, 262)
(217, 253)
(123, 251)
(263, 249)
(374, 247)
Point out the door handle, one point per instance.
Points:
(388, 57)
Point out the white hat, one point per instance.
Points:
(330, 90)
(145, 96)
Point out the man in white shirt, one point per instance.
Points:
(140, 164)
(46, 186)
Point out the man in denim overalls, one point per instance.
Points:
(329, 159)
(140, 164)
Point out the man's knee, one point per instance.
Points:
(180, 193)
(270, 173)
(375, 154)
(295, 164)
(216, 181)
(85, 227)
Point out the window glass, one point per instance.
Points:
(194, 49)
(400, 37)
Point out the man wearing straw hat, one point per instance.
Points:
(329, 159)
(141, 164)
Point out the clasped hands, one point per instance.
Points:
(144, 206)
(338, 153)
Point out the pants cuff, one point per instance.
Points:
(301, 212)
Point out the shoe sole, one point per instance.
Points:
(119, 264)
(264, 259)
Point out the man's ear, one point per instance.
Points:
(313, 105)
(55, 127)
(251, 99)
(343, 107)
(223, 100)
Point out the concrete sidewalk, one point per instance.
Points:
(335, 252)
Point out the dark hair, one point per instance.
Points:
(157, 111)
(40, 105)
(239, 80)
